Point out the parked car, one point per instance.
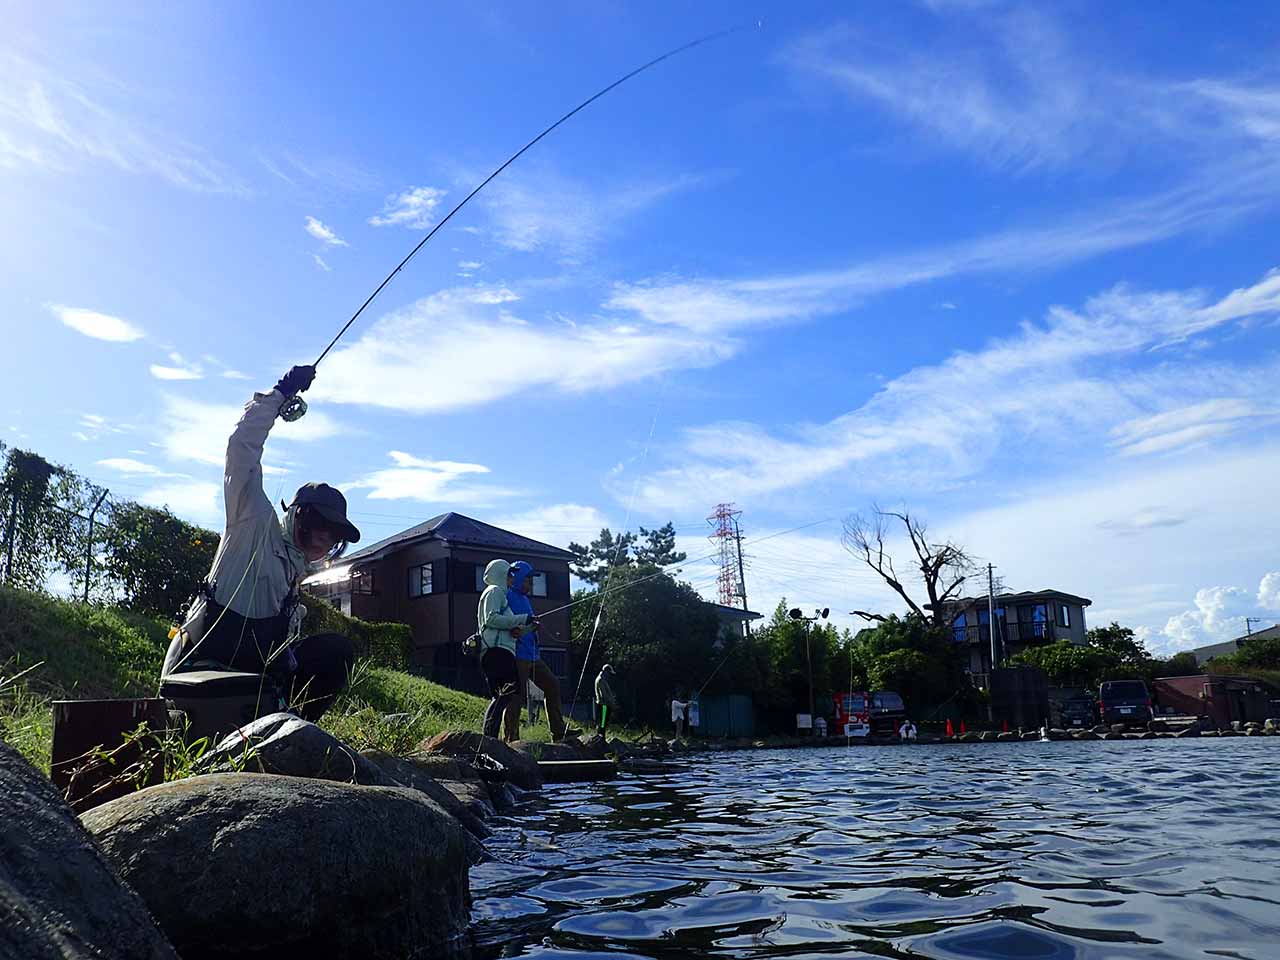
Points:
(887, 712)
(1124, 701)
(1080, 712)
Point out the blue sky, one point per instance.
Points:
(1012, 266)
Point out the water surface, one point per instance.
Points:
(1151, 849)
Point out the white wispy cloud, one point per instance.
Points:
(320, 262)
(429, 481)
(182, 369)
(413, 208)
(197, 501)
(1075, 375)
(323, 233)
(49, 120)
(558, 524)
(541, 210)
(424, 358)
(195, 431)
(133, 468)
(99, 326)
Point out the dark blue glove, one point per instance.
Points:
(296, 380)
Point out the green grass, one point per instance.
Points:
(90, 652)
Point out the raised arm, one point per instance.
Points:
(242, 478)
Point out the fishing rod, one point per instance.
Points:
(295, 407)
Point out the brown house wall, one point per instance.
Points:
(1227, 699)
(448, 615)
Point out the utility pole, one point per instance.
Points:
(1248, 624)
(796, 614)
(88, 550)
(742, 576)
(991, 618)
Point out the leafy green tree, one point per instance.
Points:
(914, 658)
(659, 547)
(592, 563)
(40, 522)
(1120, 641)
(156, 559)
(659, 635)
(1066, 664)
(1182, 664)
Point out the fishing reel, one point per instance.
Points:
(295, 408)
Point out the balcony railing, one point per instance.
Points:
(1019, 633)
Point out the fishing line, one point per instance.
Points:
(295, 407)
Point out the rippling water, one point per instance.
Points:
(1151, 849)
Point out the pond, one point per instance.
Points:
(1151, 849)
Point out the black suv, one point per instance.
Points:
(1124, 701)
(887, 712)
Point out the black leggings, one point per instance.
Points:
(499, 667)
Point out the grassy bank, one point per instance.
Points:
(85, 652)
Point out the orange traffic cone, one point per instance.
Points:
(950, 731)
(962, 729)
(1004, 726)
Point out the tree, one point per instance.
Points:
(1121, 641)
(40, 523)
(156, 559)
(913, 657)
(659, 635)
(659, 547)
(943, 567)
(1067, 664)
(592, 563)
(788, 653)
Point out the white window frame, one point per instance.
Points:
(1065, 612)
(420, 578)
(539, 584)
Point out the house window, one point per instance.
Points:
(362, 582)
(959, 628)
(420, 580)
(1065, 619)
(539, 584)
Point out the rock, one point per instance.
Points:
(1101, 728)
(473, 795)
(289, 746)
(1228, 732)
(1030, 735)
(622, 750)
(1270, 724)
(1209, 733)
(1149, 735)
(593, 749)
(247, 865)
(1157, 726)
(969, 737)
(412, 772)
(537, 750)
(1088, 735)
(1253, 731)
(466, 745)
(1057, 733)
(59, 897)
(1192, 731)
(1117, 728)
(1008, 736)
(1113, 736)
(441, 767)
(990, 736)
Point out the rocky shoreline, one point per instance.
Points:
(293, 842)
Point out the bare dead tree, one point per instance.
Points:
(943, 567)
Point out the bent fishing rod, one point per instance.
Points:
(295, 407)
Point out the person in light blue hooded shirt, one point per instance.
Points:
(529, 664)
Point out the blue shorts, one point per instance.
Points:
(527, 648)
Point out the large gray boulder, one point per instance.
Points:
(411, 772)
(59, 897)
(251, 865)
(467, 745)
(289, 746)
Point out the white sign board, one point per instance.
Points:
(804, 721)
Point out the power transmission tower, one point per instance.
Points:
(725, 537)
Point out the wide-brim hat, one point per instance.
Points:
(330, 504)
